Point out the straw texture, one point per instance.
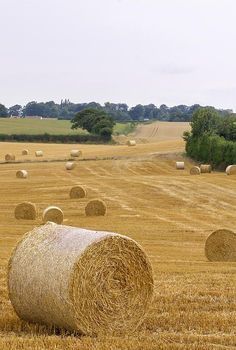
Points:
(26, 211)
(9, 157)
(53, 214)
(25, 152)
(77, 192)
(231, 170)
(205, 168)
(179, 165)
(22, 174)
(95, 207)
(75, 153)
(221, 246)
(38, 153)
(195, 170)
(131, 143)
(88, 281)
(70, 165)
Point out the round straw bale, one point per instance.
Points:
(26, 211)
(53, 214)
(221, 246)
(95, 207)
(25, 152)
(179, 165)
(231, 170)
(22, 174)
(70, 165)
(195, 170)
(131, 143)
(75, 153)
(88, 281)
(9, 157)
(205, 168)
(38, 153)
(77, 192)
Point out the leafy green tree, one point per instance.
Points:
(205, 120)
(3, 111)
(227, 128)
(95, 122)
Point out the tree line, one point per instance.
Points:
(118, 111)
(212, 139)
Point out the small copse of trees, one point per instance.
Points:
(96, 122)
(212, 138)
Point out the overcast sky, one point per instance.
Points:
(132, 51)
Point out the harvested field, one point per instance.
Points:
(160, 131)
(169, 212)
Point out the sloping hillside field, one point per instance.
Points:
(168, 211)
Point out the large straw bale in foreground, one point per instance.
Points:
(95, 207)
(53, 214)
(179, 165)
(77, 192)
(89, 281)
(221, 246)
(38, 153)
(26, 211)
(195, 170)
(10, 157)
(231, 170)
(75, 153)
(70, 165)
(22, 174)
(131, 143)
(205, 168)
(25, 152)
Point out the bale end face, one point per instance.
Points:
(26, 211)
(96, 207)
(22, 174)
(53, 214)
(221, 246)
(195, 170)
(77, 192)
(9, 157)
(25, 152)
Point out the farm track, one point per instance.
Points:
(169, 212)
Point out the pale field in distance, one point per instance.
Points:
(169, 212)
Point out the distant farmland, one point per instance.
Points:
(50, 126)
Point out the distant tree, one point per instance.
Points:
(94, 121)
(137, 112)
(150, 111)
(3, 111)
(119, 111)
(34, 108)
(51, 110)
(15, 110)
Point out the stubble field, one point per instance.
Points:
(169, 212)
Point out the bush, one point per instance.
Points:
(212, 149)
(47, 138)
